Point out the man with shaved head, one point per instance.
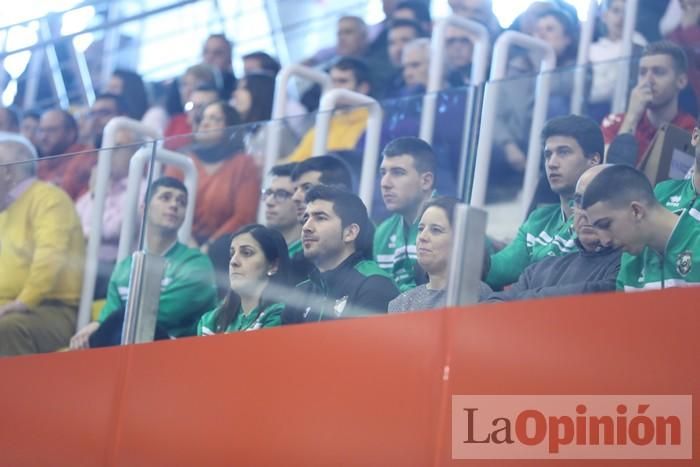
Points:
(592, 268)
(662, 249)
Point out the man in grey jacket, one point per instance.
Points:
(593, 268)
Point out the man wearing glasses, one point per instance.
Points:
(280, 212)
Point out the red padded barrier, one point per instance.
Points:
(352, 393)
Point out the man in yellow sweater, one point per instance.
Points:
(42, 252)
(348, 124)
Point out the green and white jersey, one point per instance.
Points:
(187, 290)
(269, 317)
(679, 266)
(546, 232)
(294, 248)
(395, 250)
(679, 195)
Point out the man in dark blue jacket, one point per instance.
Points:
(337, 238)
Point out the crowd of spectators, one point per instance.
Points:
(318, 255)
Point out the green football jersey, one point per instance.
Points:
(544, 233)
(679, 266)
(269, 317)
(187, 290)
(395, 250)
(678, 195)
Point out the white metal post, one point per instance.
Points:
(370, 157)
(104, 165)
(488, 120)
(623, 75)
(584, 47)
(479, 36)
(273, 128)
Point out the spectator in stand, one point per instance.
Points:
(654, 100)
(337, 238)
(459, 50)
(104, 109)
(29, 127)
(199, 100)
(414, 11)
(58, 134)
(253, 101)
(560, 29)
(480, 11)
(682, 195)
(260, 62)
(41, 265)
(228, 184)
(661, 248)
(572, 144)
(187, 288)
(592, 267)
(280, 212)
(687, 35)
(218, 53)
(407, 183)
(347, 125)
(129, 86)
(320, 170)
(415, 63)
(401, 32)
(434, 250)
(605, 54)
(9, 120)
(126, 145)
(352, 41)
(258, 278)
(195, 77)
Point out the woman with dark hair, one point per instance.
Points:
(228, 183)
(130, 87)
(253, 101)
(433, 250)
(258, 271)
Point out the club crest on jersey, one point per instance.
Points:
(684, 263)
(339, 306)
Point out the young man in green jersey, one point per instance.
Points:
(679, 195)
(345, 282)
(280, 212)
(187, 289)
(572, 144)
(662, 249)
(407, 180)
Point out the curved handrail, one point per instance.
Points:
(623, 75)
(370, 158)
(583, 58)
(103, 169)
(488, 121)
(482, 45)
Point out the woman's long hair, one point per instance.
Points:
(133, 92)
(275, 250)
(262, 90)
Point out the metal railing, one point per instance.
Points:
(488, 121)
(583, 58)
(619, 103)
(370, 157)
(467, 256)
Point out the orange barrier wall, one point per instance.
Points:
(352, 393)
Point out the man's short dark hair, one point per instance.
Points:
(408, 23)
(165, 182)
(268, 64)
(584, 130)
(358, 67)
(334, 172)
(284, 170)
(678, 56)
(619, 185)
(351, 210)
(118, 101)
(421, 152)
(420, 10)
